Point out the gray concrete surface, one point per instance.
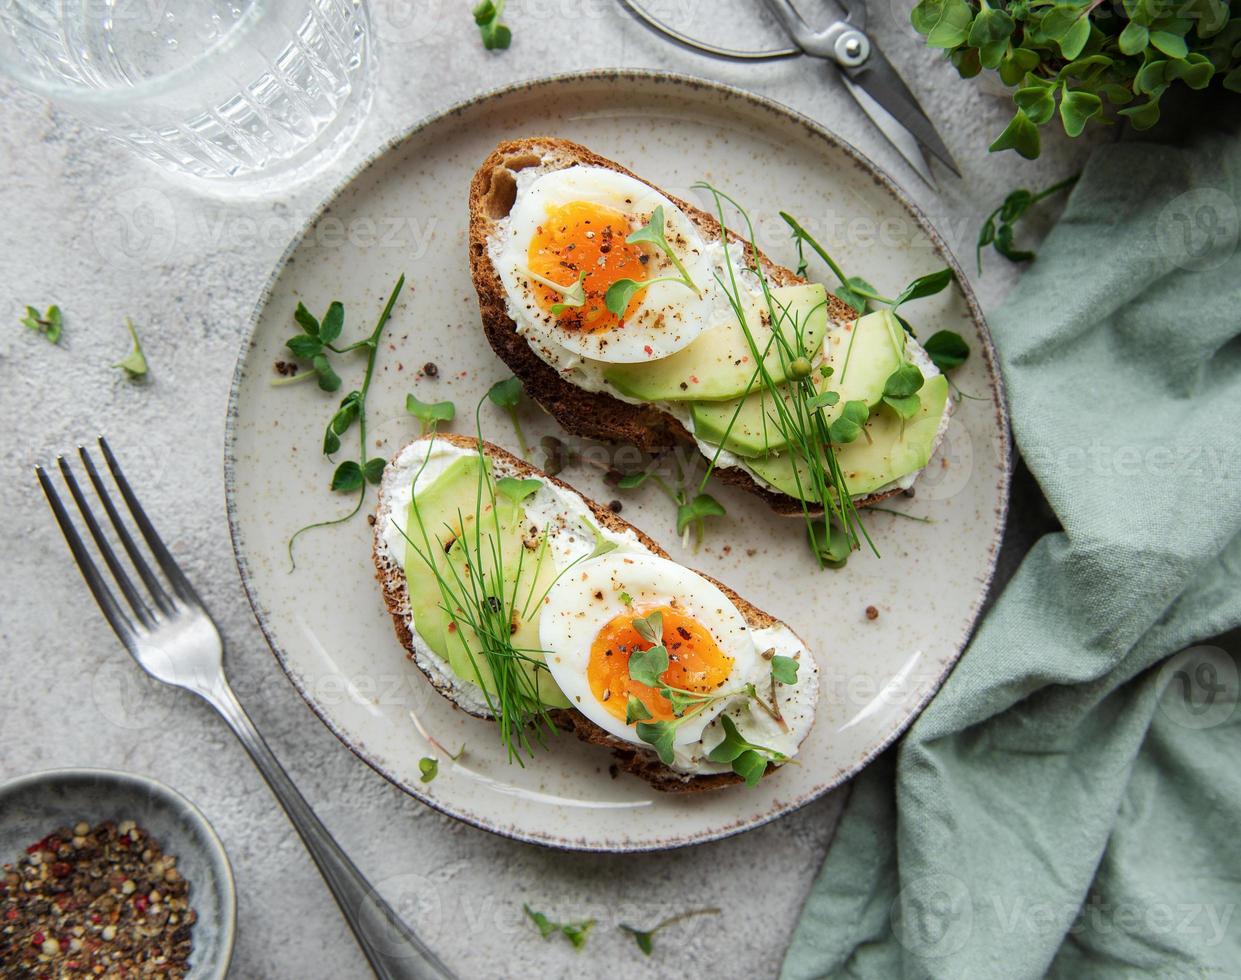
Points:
(71, 206)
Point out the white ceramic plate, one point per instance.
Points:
(406, 212)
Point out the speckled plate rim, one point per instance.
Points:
(787, 115)
(223, 878)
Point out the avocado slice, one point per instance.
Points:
(719, 363)
(757, 429)
(862, 357)
(440, 510)
(891, 452)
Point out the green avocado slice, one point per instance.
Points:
(892, 451)
(446, 512)
(861, 356)
(719, 364)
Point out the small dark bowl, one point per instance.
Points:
(32, 806)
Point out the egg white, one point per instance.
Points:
(669, 315)
(586, 599)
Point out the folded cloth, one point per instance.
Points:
(1068, 804)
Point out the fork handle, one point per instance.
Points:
(390, 946)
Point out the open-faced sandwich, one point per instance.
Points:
(632, 316)
(525, 602)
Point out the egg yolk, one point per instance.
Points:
(695, 662)
(578, 237)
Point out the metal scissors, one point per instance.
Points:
(865, 71)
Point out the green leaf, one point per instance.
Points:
(651, 233)
(345, 416)
(1117, 94)
(430, 414)
(750, 766)
(1145, 116)
(644, 939)
(331, 442)
(830, 543)
(576, 931)
(989, 33)
(1074, 40)
(1076, 107)
(517, 490)
(1021, 135)
(348, 477)
(1015, 63)
(650, 628)
(784, 669)
(732, 744)
(631, 480)
(1172, 45)
(333, 322)
(1004, 245)
(374, 470)
(659, 735)
(1196, 71)
(134, 363)
(1232, 82)
(967, 61)
(429, 768)
(545, 925)
(904, 381)
(1133, 39)
(925, 15)
(1152, 77)
(506, 394)
(701, 507)
(824, 399)
(847, 426)
(947, 349)
(952, 27)
(906, 406)
(304, 346)
(1037, 102)
(1015, 205)
(646, 666)
(923, 286)
(636, 710)
(49, 324)
(307, 320)
(846, 292)
(619, 294)
(329, 380)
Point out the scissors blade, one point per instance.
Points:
(896, 134)
(879, 80)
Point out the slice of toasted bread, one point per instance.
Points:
(389, 570)
(591, 414)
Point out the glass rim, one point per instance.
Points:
(155, 85)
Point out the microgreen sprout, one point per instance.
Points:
(692, 507)
(351, 475)
(429, 767)
(506, 395)
(49, 324)
(622, 291)
(134, 364)
(571, 297)
(997, 230)
(749, 761)
(575, 932)
(313, 343)
(784, 669)
(430, 414)
(947, 349)
(645, 938)
(494, 34)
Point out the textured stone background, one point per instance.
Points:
(76, 231)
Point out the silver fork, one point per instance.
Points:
(169, 632)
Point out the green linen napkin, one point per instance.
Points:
(1068, 804)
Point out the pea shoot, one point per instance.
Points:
(692, 507)
(622, 291)
(495, 35)
(430, 414)
(575, 932)
(997, 230)
(506, 395)
(350, 476)
(48, 324)
(749, 761)
(645, 938)
(134, 364)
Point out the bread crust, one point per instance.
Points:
(591, 414)
(629, 757)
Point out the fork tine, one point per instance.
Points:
(180, 584)
(94, 581)
(149, 578)
(104, 546)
